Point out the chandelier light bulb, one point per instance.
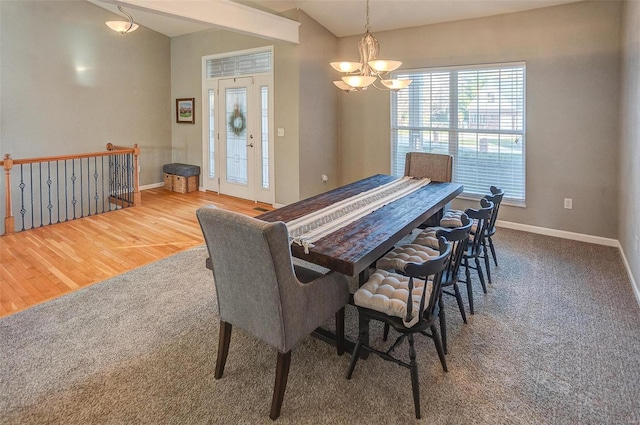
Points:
(396, 84)
(346, 67)
(343, 86)
(122, 27)
(359, 81)
(384, 65)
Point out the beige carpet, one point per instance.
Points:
(556, 341)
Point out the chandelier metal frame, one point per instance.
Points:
(370, 69)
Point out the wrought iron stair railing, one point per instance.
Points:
(56, 189)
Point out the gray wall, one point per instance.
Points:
(629, 224)
(186, 81)
(318, 108)
(71, 85)
(572, 54)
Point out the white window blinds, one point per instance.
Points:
(233, 66)
(476, 114)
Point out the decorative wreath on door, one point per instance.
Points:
(237, 122)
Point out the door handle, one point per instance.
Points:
(250, 145)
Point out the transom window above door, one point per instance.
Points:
(239, 65)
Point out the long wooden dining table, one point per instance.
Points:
(352, 249)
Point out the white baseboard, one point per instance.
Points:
(152, 186)
(634, 284)
(558, 233)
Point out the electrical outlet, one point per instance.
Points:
(280, 132)
(324, 178)
(568, 203)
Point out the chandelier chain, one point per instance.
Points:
(366, 27)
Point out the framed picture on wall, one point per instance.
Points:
(186, 111)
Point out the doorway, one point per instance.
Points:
(238, 136)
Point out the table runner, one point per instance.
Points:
(314, 226)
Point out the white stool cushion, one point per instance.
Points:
(401, 255)
(453, 218)
(387, 292)
(428, 237)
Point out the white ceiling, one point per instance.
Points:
(346, 17)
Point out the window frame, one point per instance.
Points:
(453, 130)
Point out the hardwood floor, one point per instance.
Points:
(41, 264)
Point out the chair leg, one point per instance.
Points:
(467, 274)
(460, 304)
(223, 348)
(340, 331)
(486, 260)
(362, 339)
(282, 374)
(481, 275)
(354, 359)
(436, 341)
(385, 334)
(493, 251)
(443, 323)
(415, 381)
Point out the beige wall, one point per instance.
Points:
(305, 103)
(629, 225)
(71, 85)
(572, 54)
(318, 106)
(186, 81)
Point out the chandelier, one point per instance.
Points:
(370, 69)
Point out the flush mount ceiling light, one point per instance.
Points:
(370, 69)
(123, 27)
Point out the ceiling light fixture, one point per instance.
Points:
(360, 75)
(123, 27)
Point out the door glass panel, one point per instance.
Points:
(212, 137)
(264, 135)
(236, 113)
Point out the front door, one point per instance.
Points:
(237, 137)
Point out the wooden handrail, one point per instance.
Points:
(7, 163)
(67, 157)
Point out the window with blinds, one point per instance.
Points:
(476, 114)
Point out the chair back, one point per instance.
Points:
(431, 269)
(437, 167)
(481, 217)
(253, 272)
(495, 197)
(458, 237)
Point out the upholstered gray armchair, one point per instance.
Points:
(438, 167)
(435, 166)
(259, 291)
